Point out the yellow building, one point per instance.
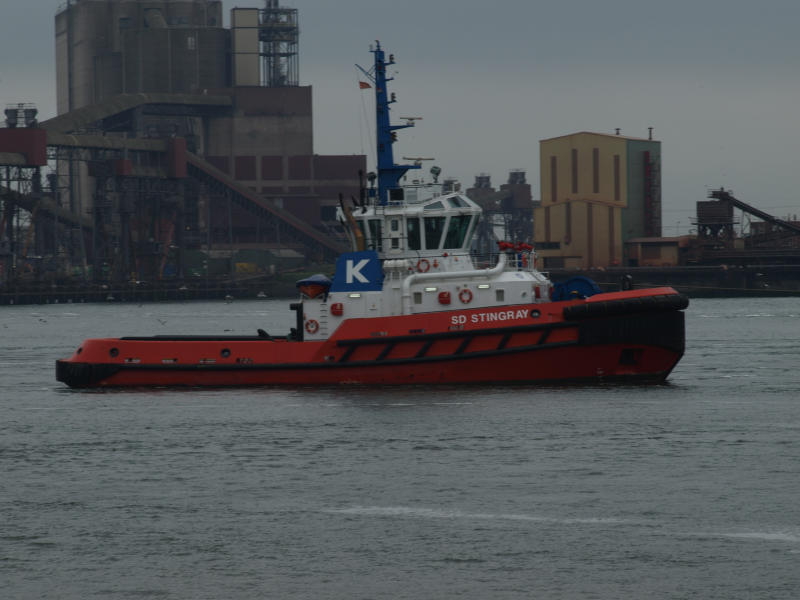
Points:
(598, 191)
(658, 252)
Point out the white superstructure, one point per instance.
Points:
(423, 245)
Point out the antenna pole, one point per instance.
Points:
(389, 173)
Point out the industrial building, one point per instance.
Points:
(507, 212)
(599, 191)
(600, 216)
(182, 157)
(182, 151)
(601, 209)
(769, 240)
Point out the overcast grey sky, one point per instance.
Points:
(719, 80)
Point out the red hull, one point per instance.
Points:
(633, 335)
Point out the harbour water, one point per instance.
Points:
(683, 490)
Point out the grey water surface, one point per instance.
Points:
(689, 489)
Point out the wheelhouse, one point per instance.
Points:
(432, 227)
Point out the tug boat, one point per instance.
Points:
(409, 305)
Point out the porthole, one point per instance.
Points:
(535, 314)
(114, 352)
(225, 353)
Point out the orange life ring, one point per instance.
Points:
(465, 296)
(423, 266)
(312, 326)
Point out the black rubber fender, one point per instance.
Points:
(623, 306)
(77, 374)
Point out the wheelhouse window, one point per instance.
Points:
(362, 228)
(457, 231)
(471, 230)
(434, 228)
(412, 227)
(376, 234)
(457, 202)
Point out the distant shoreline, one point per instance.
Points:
(695, 281)
(172, 292)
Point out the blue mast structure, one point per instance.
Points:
(389, 173)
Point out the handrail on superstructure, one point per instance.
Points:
(502, 261)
